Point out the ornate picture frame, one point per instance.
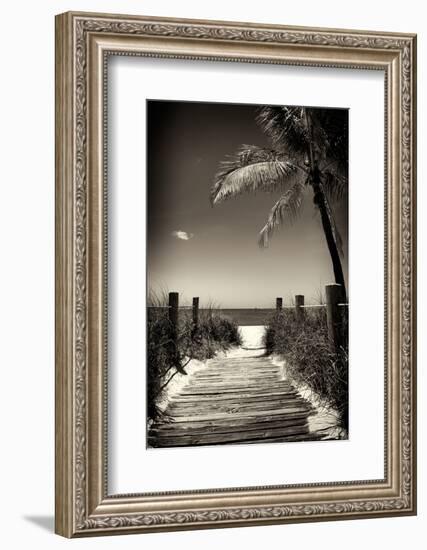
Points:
(83, 44)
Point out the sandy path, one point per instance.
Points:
(238, 398)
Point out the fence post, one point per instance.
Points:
(334, 318)
(173, 316)
(299, 301)
(279, 304)
(195, 312)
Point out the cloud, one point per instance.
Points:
(182, 235)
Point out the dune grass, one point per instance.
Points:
(167, 357)
(309, 355)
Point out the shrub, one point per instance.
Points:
(309, 355)
(213, 334)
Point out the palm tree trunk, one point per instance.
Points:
(320, 201)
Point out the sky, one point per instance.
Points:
(212, 252)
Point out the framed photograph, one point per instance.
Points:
(235, 274)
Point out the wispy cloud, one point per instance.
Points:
(182, 235)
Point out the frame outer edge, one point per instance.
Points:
(64, 277)
(415, 251)
(413, 320)
(247, 25)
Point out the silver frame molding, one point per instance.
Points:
(83, 43)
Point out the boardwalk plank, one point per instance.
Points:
(192, 428)
(217, 438)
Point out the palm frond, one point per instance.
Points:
(286, 209)
(334, 185)
(326, 136)
(251, 169)
(286, 127)
(330, 132)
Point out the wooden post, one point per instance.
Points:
(299, 301)
(279, 304)
(195, 312)
(173, 316)
(333, 298)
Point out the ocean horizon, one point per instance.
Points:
(246, 316)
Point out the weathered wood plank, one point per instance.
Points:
(234, 397)
(200, 428)
(196, 390)
(255, 405)
(218, 416)
(244, 420)
(218, 438)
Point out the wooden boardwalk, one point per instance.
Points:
(234, 400)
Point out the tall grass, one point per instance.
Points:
(309, 355)
(167, 357)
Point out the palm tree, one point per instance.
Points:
(310, 149)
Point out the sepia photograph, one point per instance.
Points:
(247, 274)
